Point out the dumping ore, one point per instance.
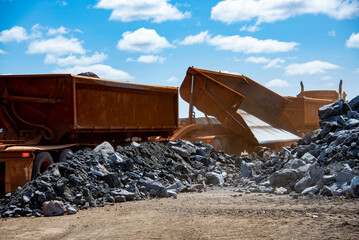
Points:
(325, 163)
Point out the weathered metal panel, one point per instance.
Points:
(266, 133)
(258, 100)
(119, 107)
(64, 105)
(301, 113)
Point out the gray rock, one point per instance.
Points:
(310, 190)
(105, 148)
(284, 177)
(328, 179)
(177, 186)
(53, 208)
(129, 195)
(280, 191)
(346, 174)
(246, 169)
(355, 185)
(308, 158)
(214, 178)
(332, 109)
(354, 103)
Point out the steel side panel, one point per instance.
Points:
(18, 171)
(259, 100)
(114, 108)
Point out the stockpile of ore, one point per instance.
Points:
(104, 176)
(325, 162)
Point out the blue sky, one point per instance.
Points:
(277, 43)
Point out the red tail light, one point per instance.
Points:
(25, 155)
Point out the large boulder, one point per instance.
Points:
(332, 109)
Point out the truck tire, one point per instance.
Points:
(42, 161)
(63, 154)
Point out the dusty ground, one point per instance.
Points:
(216, 214)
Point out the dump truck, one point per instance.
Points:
(246, 113)
(43, 117)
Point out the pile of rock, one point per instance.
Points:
(325, 162)
(104, 176)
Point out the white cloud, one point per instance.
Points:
(310, 68)
(74, 61)
(61, 30)
(326, 78)
(56, 46)
(248, 44)
(258, 60)
(353, 41)
(16, 33)
(253, 28)
(2, 51)
(277, 83)
(237, 43)
(356, 70)
(143, 40)
(172, 79)
(147, 59)
(133, 10)
(271, 63)
(151, 59)
(331, 33)
(36, 31)
(196, 39)
(230, 11)
(103, 71)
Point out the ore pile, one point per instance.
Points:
(104, 176)
(325, 162)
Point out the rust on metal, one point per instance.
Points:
(64, 108)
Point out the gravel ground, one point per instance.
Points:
(214, 214)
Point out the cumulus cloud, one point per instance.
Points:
(133, 10)
(230, 11)
(56, 46)
(143, 40)
(61, 30)
(196, 39)
(103, 71)
(76, 61)
(310, 68)
(270, 63)
(16, 34)
(2, 51)
(151, 59)
(353, 41)
(237, 43)
(277, 83)
(250, 45)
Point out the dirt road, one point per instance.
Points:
(215, 214)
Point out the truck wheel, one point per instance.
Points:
(42, 161)
(63, 154)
